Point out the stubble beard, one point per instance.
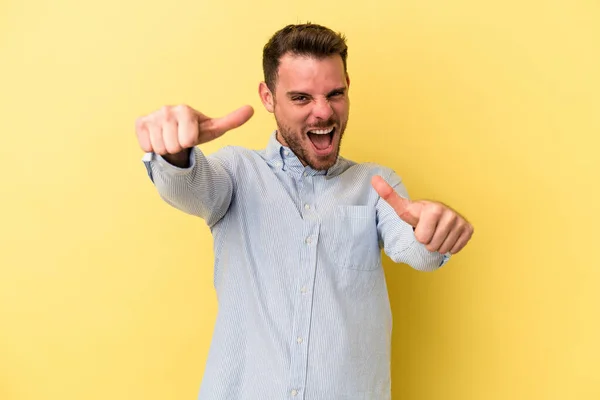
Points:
(293, 142)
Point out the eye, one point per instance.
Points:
(299, 99)
(337, 94)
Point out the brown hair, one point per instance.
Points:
(303, 40)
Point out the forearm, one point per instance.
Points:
(198, 186)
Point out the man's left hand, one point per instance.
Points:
(436, 225)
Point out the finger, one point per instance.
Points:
(462, 240)
(403, 207)
(215, 127)
(187, 126)
(452, 238)
(170, 136)
(143, 135)
(444, 228)
(156, 138)
(428, 222)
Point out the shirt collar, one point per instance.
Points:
(280, 156)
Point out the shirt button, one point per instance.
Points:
(303, 290)
(299, 340)
(287, 153)
(308, 240)
(294, 392)
(306, 206)
(306, 174)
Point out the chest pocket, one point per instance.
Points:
(354, 241)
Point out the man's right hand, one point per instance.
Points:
(173, 131)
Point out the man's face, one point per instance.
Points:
(311, 107)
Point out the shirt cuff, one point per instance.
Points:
(445, 258)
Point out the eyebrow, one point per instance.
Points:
(334, 91)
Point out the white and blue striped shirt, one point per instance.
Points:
(303, 305)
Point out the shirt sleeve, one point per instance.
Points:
(398, 238)
(203, 189)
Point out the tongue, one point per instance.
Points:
(321, 142)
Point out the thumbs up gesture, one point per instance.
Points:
(171, 130)
(436, 225)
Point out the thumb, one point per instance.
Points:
(408, 211)
(216, 127)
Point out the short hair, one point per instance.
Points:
(304, 40)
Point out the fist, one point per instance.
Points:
(436, 225)
(173, 129)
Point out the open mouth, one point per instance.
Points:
(322, 139)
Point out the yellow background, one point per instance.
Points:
(492, 107)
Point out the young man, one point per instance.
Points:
(298, 232)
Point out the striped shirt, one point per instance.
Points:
(303, 306)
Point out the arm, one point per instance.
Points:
(203, 187)
(184, 177)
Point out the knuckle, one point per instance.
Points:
(454, 220)
(139, 122)
(165, 113)
(436, 209)
(142, 124)
(183, 111)
(465, 227)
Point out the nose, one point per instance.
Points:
(322, 109)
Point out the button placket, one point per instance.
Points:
(306, 275)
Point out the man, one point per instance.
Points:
(298, 232)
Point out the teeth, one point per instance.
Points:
(322, 131)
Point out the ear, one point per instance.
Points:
(348, 80)
(266, 97)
